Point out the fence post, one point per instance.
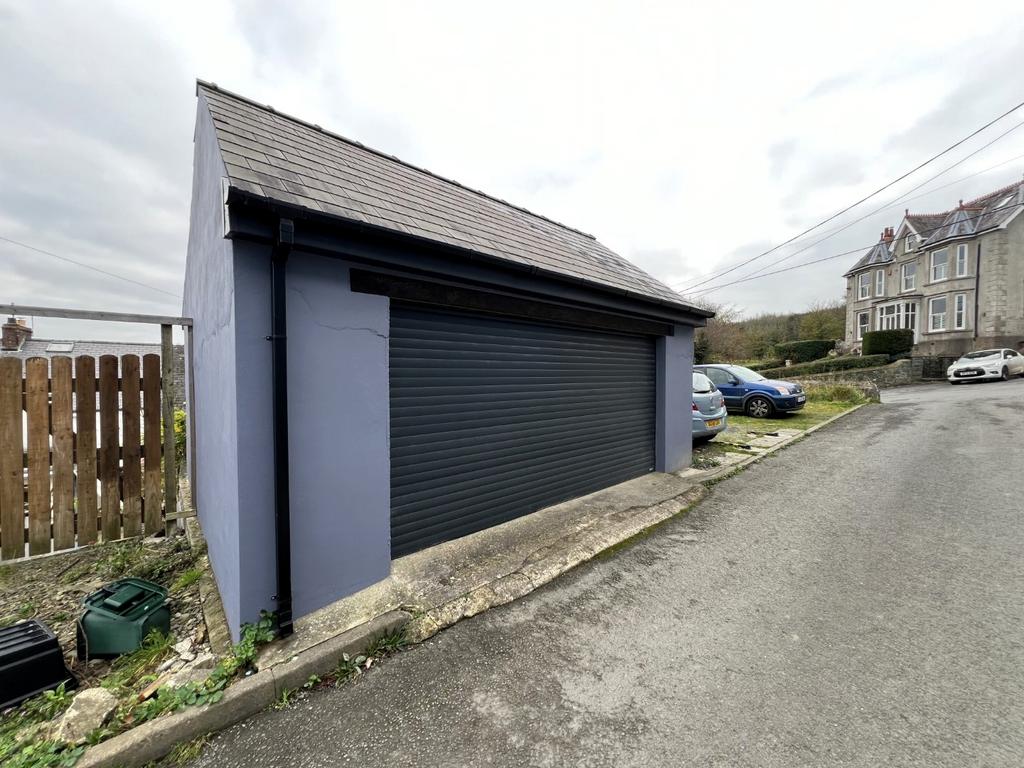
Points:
(167, 398)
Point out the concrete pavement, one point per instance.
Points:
(853, 600)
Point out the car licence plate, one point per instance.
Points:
(713, 423)
(801, 398)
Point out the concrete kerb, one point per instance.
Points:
(153, 740)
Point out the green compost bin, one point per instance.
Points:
(119, 616)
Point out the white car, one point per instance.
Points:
(986, 364)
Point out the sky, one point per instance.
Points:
(686, 137)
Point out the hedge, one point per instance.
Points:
(892, 343)
(804, 351)
(827, 365)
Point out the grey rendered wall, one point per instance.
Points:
(338, 426)
(338, 432)
(209, 300)
(253, 406)
(673, 439)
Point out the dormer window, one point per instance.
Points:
(908, 243)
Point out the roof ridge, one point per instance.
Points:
(1000, 191)
(214, 87)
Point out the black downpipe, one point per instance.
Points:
(279, 365)
(977, 289)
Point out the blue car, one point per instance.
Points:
(751, 393)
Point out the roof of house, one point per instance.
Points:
(285, 160)
(50, 348)
(879, 254)
(990, 211)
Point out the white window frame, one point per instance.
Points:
(960, 312)
(879, 282)
(863, 328)
(889, 316)
(961, 259)
(904, 288)
(932, 314)
(908, 317)
(908, 243)
(864, 285)
(933, 265)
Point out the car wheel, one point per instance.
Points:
(1005, 375)
(759, 407)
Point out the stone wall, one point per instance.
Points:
(900, 373)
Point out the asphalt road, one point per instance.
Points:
(855, 600)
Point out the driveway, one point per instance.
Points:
(856, 599)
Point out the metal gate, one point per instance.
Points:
(492, 419)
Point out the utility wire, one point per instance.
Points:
(850, 207)
(894, 201)
(847, 253)
(88, 266)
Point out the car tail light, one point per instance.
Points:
(695, 407)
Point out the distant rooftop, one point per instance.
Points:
(990, 211)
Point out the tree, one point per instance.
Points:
(824, 320)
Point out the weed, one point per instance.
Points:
(700, 461)
(312, 682)
(387, 643)
(185, 753)
(186, 580)
(59, 617)
(27, 611)
(7, 621)
(284, 699)
(25, 751)
(122, 560)
(129, 671)
(348, 666)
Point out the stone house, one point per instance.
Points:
(955, 278)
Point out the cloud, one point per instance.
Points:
(686, 138)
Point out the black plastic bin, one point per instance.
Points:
(30, 662)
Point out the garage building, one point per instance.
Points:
(385, 360)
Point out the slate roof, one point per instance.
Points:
(282, 159)
(984, 213)
(879, 254)
(42, 348)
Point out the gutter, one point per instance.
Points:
(977, 289)
(279, 366)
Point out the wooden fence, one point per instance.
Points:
(80, 451)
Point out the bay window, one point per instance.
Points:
(960, 311)
(864, 286)
(961, 260)
(879, 282)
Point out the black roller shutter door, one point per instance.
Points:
(492, 419)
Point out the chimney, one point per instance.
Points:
(887, 235)
(15, 333)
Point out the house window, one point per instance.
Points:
(910, 318)
(961, 260)
(960, 311)
(940, 264)
(879, 282)
(908, 244)
(909, 274)
(863, 324)
(864, 286)
(937, 314)
(889, 317)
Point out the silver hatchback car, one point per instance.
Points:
(709, 415)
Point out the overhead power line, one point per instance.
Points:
(850, 207)
(861, 249)
(894, 201)
(88, 266)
